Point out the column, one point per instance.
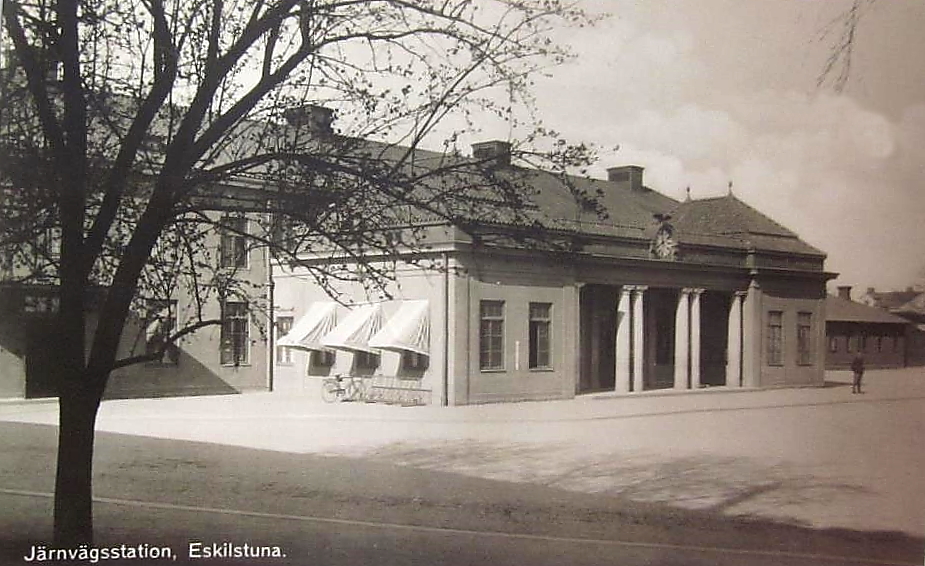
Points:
(682, 333)
(623, 354)
(695, 338)
(751, 336)
(638, 337)
(734, 342)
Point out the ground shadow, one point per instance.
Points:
(418, 485)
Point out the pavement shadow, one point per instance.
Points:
(515, 490)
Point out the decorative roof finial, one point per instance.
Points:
(730, 188)
(688, 192)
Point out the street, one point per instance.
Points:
(783, 477)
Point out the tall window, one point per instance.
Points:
(862, 344)
(540, 336)
(366, 360)
(804, 338)
(833, 344)
(235, 344)
(234, 245)
(414, 360)
(491, 335)
(160, 324)
(775, 338)
(283, 353)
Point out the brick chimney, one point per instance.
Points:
(314, 118)
(844, 292)
(497, 151)
(629, 176)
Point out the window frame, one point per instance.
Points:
(491, 336)
(804, 338)
(283, 353)
(229, 333)
(774, 347)
(537, 322)
(171, 355)
(233, 235)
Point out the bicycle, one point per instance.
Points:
(342, 388)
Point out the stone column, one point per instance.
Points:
(751, 336)
(623, 355)
(682, 340)
(734, 342)
(695, 338)
(638, 337)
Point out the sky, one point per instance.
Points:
(707, 92)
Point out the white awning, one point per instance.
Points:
(356, 329)
(308, 332)
(408, 329)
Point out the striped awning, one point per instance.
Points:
(308, 332)
(408, 329)
(357, 328)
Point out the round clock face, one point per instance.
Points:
(664, 246)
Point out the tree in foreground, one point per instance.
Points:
(132, 129)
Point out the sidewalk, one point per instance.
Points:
(815, 456)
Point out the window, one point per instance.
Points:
(898, 344)
(833, 344)
(879, 343)
(491, 335)
(775, 338)
(323, 358)
(283, 353)
(40, 303)
(540, 335)
(235, 343)
(414, 360)
(862, 344)
(233, 252)
(366, 360)
(160, 324)
(852, 343)
(804, 338)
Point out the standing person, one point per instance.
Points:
(857, 366)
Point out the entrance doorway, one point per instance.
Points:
(660, 307)
(598, 336)
(714, 337)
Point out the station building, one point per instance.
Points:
(656, 294)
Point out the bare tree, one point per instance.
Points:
(842, 32)
(137, 125)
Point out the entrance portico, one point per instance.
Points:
(662, 338)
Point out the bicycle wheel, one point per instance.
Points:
(331, 391)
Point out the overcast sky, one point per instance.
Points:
(706, 92)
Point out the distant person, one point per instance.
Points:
(857, 366)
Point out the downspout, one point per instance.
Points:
(445, 397)
(271, 339)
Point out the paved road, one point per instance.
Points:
(817, 474)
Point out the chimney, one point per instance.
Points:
(497, 151)
(314, 118)
(629, 176)
(844, 292)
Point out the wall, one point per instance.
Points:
(790, 372)
(885, 346)
(295, 292)
(518, 283)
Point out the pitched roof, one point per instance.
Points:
(728, 217)
(843, 310)
(893, 300)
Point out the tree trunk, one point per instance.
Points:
(73, 480)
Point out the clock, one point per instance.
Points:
(663, 245)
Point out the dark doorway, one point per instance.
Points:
(714, 336)
(660, 308)
(598, 336)
(43, 366)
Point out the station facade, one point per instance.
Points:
(657, 294)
